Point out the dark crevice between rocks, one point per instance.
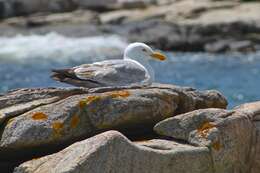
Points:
(142, 133)
(146, 133)
(10, 161)
(28, 153)
(8, 167)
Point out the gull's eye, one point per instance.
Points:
(144, 50)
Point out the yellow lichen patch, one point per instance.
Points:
(204, 129)
(39, 116)
(74, 121)
(216, 146)
(122, 93)
(88, 100)
(10, 121)
(92, 98)
(57, 126)
(1, 114)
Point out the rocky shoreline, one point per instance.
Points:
(161, 128)
(175, 25)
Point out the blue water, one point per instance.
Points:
(237, 76)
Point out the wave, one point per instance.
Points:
(59, 48)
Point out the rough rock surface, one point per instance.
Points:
(112, 152)
(113, 4)
(75, 17)
(56, 117)
(253, 111)
(205, 140)
(231, 135)
(212, 140)
(25, 7)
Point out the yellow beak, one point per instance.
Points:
(158, 56)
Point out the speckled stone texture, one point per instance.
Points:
(231, 135)
(37, 120)
(111, 152)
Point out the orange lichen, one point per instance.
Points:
(57, 126)
(74, 121)
(92, 98)
(204, 129)
(122, 93)
(216, 146)
(82, 104)
(36, 158)
(39, 116)
(88, 100)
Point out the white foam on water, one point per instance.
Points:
(57, 47)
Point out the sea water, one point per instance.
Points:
(26, 61)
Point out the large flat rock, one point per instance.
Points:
(111, 152)
(231, 135)
(51, 118)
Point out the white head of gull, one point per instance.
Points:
(133, 69)
(141, 53)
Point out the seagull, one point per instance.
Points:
(134, 70)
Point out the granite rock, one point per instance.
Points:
(112, 152)
(253, 111)
(57, 117)
(230, 135)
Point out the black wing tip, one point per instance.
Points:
(67, 76)
(54, 70)
(60, 70)
(60, 74)
(57, 76)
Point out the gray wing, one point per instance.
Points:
(113, 72)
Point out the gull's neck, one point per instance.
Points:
(145, 64)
